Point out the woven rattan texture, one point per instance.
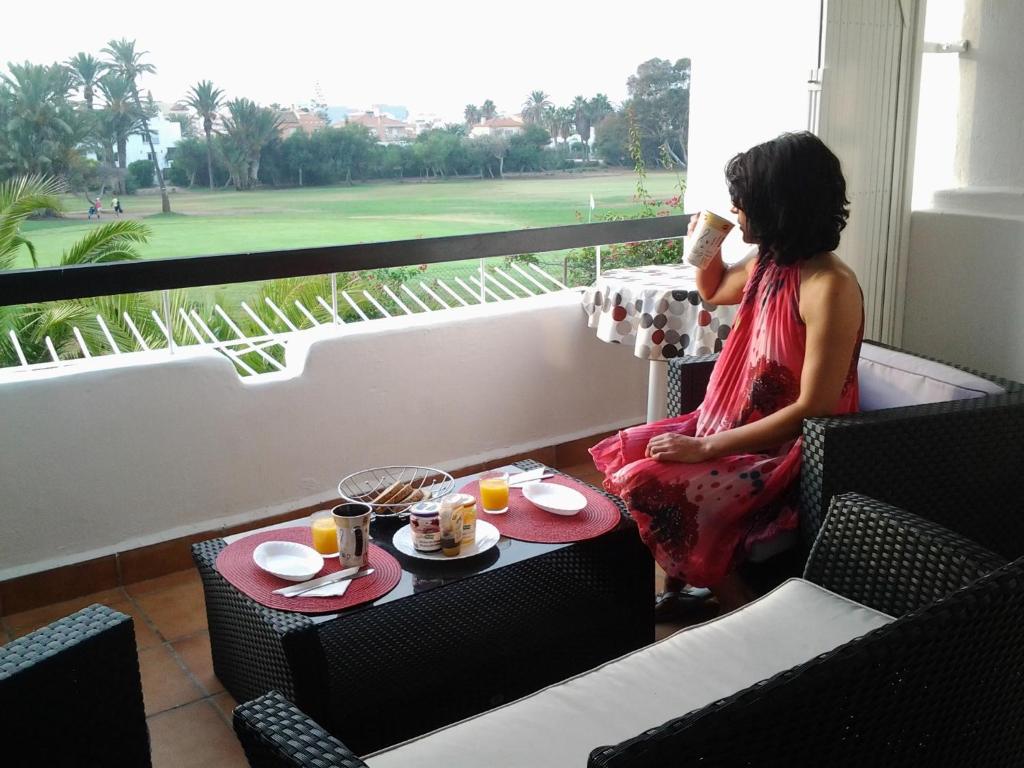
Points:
(246, 638)
(940, 686)
(525, 522)
(71, 695)
(513, 630)
(956, 463)
(688, 381)
(275, 734)
(924, 562)
(466, 647)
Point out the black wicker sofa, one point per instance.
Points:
(937, 439)
(939, 685)
(71, 695)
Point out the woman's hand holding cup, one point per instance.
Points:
(711, 230)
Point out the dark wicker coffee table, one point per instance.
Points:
(451, 640)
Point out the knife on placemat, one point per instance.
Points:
(347, 573)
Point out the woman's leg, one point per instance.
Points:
(732, 592)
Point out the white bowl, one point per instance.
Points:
(288, 560)
(556, 499)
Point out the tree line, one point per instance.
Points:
(72, 120)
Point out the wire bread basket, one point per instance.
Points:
(391, 491)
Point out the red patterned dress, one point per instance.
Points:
(699, 520)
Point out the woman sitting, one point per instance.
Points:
(707, 486)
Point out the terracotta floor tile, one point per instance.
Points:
(585, 472)
(176, 579)
(164, 683)
(26, 621)
(194, 736)
(661, 631)
(195, 652)
(145, 637)
(176, 612)
(226, 703)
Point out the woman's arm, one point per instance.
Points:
(832, 311)
(722, 285)
(717, 283)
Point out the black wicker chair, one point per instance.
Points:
(957, 462)
(70, 694)
(941, 685)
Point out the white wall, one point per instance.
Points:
(964, 286)
(166, 134)
(111, 458)
(749, 84)
(965, 280)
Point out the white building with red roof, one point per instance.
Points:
(498, 126)
(387, 129)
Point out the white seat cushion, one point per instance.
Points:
(891, 379)
(561, 725)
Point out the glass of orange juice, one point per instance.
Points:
(325, 532)
(494, 491)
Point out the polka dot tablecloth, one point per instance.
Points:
(657, 311)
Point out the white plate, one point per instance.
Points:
(557, 499)
(486, 537)
(288, 560)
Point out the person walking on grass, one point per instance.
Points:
(99, 207)
(117, 207)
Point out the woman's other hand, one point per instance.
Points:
(675, 447)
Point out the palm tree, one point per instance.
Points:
(38, 125)
(206, 100)
(472, 115)
(127, 62)
(535, 106)
(85, 74)
(247, 129)
(22, 197)
(564, 122)
(487, 110)
(581, 120)
(551, 121)
(119, 118)
(600, 108)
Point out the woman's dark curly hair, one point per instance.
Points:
(793, 193)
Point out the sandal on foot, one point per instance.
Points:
(679, 605)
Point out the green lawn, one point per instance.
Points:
(230, 222)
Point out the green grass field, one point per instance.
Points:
(229, 222)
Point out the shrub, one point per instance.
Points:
(177, 175)
(141, 173)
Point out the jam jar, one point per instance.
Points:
(425, 522)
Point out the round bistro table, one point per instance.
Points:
(658, 312)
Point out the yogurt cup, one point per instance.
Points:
(707, 238)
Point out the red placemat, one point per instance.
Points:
(235, 564)
(526, 522)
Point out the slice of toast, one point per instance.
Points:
(397, 490)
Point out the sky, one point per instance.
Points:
(433, 57)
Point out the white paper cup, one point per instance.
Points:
(707, 238)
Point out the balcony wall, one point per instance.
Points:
(965, 278)
(132, 450)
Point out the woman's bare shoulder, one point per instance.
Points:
(828, 272)
(827, 279)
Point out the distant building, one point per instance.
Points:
(165, 133)
(425, 122)
(498, 126)
(299, 119)
(387, 129)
